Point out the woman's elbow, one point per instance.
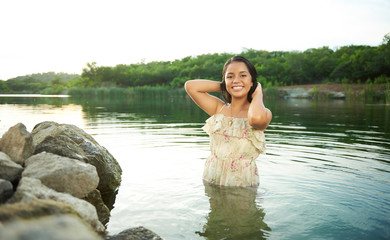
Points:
(187, 85)
(260, 122)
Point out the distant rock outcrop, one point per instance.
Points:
(310, 93)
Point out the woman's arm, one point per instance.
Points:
(198, 91)
(258, 115)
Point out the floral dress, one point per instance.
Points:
(234, 146)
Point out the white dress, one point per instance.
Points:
(234, 146)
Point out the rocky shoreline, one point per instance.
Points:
(312, 91)
(334, 91)
(58, 182)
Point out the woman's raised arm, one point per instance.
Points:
(259, 116)
(198, 91)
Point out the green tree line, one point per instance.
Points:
(48, 83)
(347, 64)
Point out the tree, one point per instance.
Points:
(91, 73)
(3, 87)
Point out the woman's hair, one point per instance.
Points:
(252, 71)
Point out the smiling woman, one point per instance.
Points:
(236, 128)
(238, 67)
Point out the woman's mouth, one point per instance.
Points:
(237, 88)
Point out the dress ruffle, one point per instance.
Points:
(240, 128)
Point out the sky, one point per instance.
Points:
(62, 36)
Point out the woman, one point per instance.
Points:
(236, 128)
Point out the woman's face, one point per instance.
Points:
(238, 80)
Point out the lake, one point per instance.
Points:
(325, 174)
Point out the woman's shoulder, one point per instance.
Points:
(221, 106)
(219, 121)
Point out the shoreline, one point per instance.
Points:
(333, 91)
(330, 90)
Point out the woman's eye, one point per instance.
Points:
(243, 75)
(229, 76)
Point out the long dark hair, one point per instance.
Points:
(252, 71)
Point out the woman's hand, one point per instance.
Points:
(258, 90)
(259, 116)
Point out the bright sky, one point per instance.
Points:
(62, 36)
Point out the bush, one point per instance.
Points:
(315, 91)
(369, 90)
(271, 92)
(382, 79)
(116, 92)
(345, 81)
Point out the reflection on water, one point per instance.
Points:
(234, 214)
(325, 175)
(33, 110)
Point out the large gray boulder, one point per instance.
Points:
(62, 174)
(30, 189)
(17, 143)
(70, 141)
(61, 145)
(59, 227)
(9, 170)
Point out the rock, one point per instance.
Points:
(102, 210)
(17, 143)
(336, 95)
(61, 145)
(62, 174)
(81, 145)
(283, 94)
(109, 198)
(6, 190)
(138, 233)
(34, 209)
(30, 189)
(298, 93)
(62, 227)
(9, 170)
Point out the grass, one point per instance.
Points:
(369, 92)
(117, 92)
(271, 92)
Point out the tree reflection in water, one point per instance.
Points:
(234, 214)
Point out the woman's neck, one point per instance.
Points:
(239, 103)
(239, 108)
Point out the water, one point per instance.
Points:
(326, 173)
